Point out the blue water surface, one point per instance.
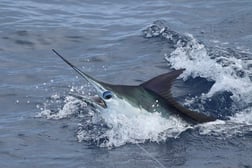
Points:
(124, 42)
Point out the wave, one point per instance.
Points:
(228, 70)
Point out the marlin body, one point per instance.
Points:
(153, 95)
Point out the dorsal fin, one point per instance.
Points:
(161, 85)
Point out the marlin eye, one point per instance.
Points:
(107, 95)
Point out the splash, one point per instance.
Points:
(119, 125)
(195, 58)
(238, 125)
(228, 69)
(114, 126)
(133, 125)
(71, 106)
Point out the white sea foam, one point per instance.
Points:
(239, 124)
(71, 106)
(128, 124)
(120, 124)
(123, 123)
(195, 59)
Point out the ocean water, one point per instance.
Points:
(127, 42)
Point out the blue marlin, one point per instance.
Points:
(154, 91)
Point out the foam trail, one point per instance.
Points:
(195, 59)
(229, 69)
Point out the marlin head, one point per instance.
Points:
(153, 96)
(102, 89)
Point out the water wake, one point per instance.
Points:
(228, 70)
